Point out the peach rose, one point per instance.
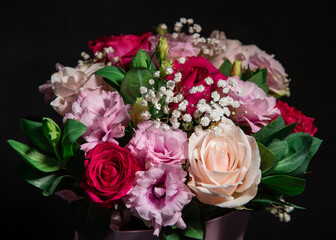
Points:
(224, 166)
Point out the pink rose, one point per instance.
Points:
(105, 115)
(124, 47)
(109, 174)
(231, 49)
(194, 73)
(69, 82)
(224, 166)
(182, 46)
(276, 76)
(256, 108)
(251, 56)
(159, 195)
(155, 145)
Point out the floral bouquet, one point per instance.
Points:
(166, 131)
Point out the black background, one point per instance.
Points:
(34, 37)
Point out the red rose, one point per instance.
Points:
(109, 173)
(194, 72)
(291, 115)
(125, 47)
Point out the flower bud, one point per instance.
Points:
(161, 29)
(51, 130)
(163, 66)
(236, 69)
(162, 48)
(137, 110)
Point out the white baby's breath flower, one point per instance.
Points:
(200, 88)
(181, 60)
(215, 96)
(145, 115)
(156, 74)
(205, 121)
(221, 83)
(176, 113)
(143, 90)
(209, 80)
(169, 70)
(187, 117)
(151, 81)
(170, 84)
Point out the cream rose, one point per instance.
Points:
(224, 166)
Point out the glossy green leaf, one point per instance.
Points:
(225, 68)
(35, 158)
(299, 145)
(284, 184)
(53, 186)
(142, 60)
(41, 180)
(194, 229)
(267, 158)
(33, 130)
(259, 78)
(269, 129)
(275, 129)
(112, 75)
(316, 143)
(278, 148)
(72, 131)
(134, 79)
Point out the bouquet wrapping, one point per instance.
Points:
(167, 130)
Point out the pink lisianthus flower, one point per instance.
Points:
(156, 145)
(69, 82)
(181, 46)
(105, 115)
(256, 109)
(159, 195)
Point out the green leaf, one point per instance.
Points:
(284, 184)
(53, 186)
(34, 132)
(134, 79)
(313, 149)
(260, 78)
(267, 199)
(267, 158)
(194, 229)
(112, 75)
(72, 131)
(35, 177)
(275, 129)
(225, 68)
(170, 236)
(278, 148)
(269, 129)
(142, 60)
(299, 145)
(35, 158)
